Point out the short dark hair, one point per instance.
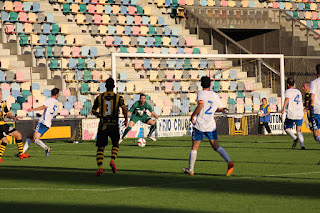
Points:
(55, 91)
(318, 69)
(205, 81)
(142, 94)
(290, 82)
(264, 99)
(110, 83)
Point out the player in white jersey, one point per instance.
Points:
(295, 112)
(204, 125)
(315, 104)
(51, 108)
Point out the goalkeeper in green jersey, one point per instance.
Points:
(138, 112)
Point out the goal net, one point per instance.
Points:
(171, 83)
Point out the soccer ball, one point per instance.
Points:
(142, 142)
(260, 113)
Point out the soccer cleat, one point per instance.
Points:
(152, 138)
(1, 161)
(113, 167)
(187, 171)
(230, 168)
(48, 152)
(99, 172)
(24, 155)
(295, 143)
(303, 148)
(120, 140)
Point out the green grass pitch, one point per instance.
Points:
(269, 176)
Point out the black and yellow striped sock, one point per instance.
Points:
(100, 158)
(20, 146)
(2, 148)
(114, 153)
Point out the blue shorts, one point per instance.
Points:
(316, 121)
(197, 135)
(288, 123)
(41, 128)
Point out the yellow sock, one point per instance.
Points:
(114, 153)
(100, 158)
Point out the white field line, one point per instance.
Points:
(149, 186)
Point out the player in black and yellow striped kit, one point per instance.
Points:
(6, 130)
(306, 89)
(106, 107)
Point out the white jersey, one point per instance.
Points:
(315, 89)
(295, 105)
(205, 119)
(50, 112)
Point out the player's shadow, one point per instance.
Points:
(59, 177)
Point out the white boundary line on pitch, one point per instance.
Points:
(134, 187)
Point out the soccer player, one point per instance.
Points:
(51, 108)
(306, 89)
(204, 125)
(139, 113)
(6, 130)
(106, 107)
(315, 104)
(293, 99)
(265, 117)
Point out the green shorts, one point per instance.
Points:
(143, 118)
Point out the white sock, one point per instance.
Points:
(301, 139)
(26, 145)
(192, 159)
(318, 139)
(41, 144)
(290, 133)
(223, 154)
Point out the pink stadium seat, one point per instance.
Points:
(168, 102)
(314, 15)
(26, 106)
(5, 86)
(137, 20)
(148, 50)
(248, 85)
(224, 3)
(91, 8)
(109, 40)
(135, 30)
(97, 19)
(188, 50)
(131, 10)
(240, 101)
(182, 2)
(218, 64)
(66, 92)
(169, 74)
(168, 86)
(78, 105)
(9, 28)
(96, 75)
(75, 51)
(64, 112)
(31, 99)
(23, 16)
(94, 1)
(275, 4)
(189, 41)
(138, 64)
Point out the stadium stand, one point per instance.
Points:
(61, 41)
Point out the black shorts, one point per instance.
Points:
(103, 135)
(5, 130)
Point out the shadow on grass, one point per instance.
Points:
(84, 178)
(54, 208)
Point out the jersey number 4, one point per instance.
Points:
(297, 99)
